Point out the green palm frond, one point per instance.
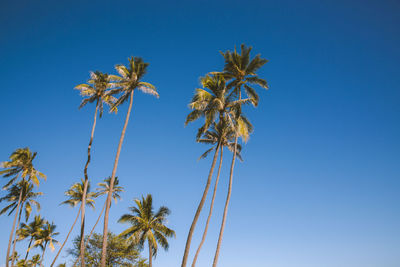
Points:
(145, 225)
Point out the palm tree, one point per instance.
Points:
(213, 102)
(35, 260)
(46, 237)
(31, 231)
(241, 70)
(74, 194)
(20, 165)
(96, 90)
(147, 226)
(128, 83)
(222, 134)
(27, 200)
(103, 190)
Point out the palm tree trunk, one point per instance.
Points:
(15, 237)
(211, 209)
(65, 241)
(197, 214)
(44, 249)
(150, 256)
(12, 229)
(228, 197)
(27, 251)
(91, 232)
(110, 192)
(83, 204)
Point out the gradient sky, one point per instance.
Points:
(320, 183)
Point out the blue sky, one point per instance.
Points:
(320, 183)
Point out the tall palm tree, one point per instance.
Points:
(222, 134)
(103, 189)
(213, 102)
(96, 90)
(46, 237)
(241, 70)
(30, 231)
(74, 194)
(128, 83)
(147, 226)
(27, 200)
(21, 166)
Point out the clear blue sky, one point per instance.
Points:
(320, 183)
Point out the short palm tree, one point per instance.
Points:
(21, 166)
(128, 83)
(35, 260)
(46, 237)
(224, 135)
(31, 231)
(103, 189)
(74, 194)
(97, 90)
(147, 226)
(241, 70)
(22, 193)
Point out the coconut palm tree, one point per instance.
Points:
(241, 70)
(213, 102)
(21, 166)
(96, 90)
(222, 134)
(129, 82)
(30, 231)
(27, 200)
(147, 226)
(35, 260)
(46, 237)
(74, 194)
(103, 189)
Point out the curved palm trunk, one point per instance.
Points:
(91, 232)
(199, 208)
(12, 229)
(82, 244)
(65, 241)
(15, 237)
(211, 209)
(110, 192)
(150, 256)
(228, 197)
(27, 251)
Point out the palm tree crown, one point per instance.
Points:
(21, 164)
(46, 237)
(241, 70)
(104, 188)
(147, 225)
(75, 192)
(130, 80)
(25, 189)
(98, 90)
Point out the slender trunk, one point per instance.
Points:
(228, 197)
(44, 249)
(27, 251)
(83, 204)
(15, 237)
(150, 256)
(110, 192)
(91, 232)
(211, 209)
(65, 241)
(197, 214)
(12, 229)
